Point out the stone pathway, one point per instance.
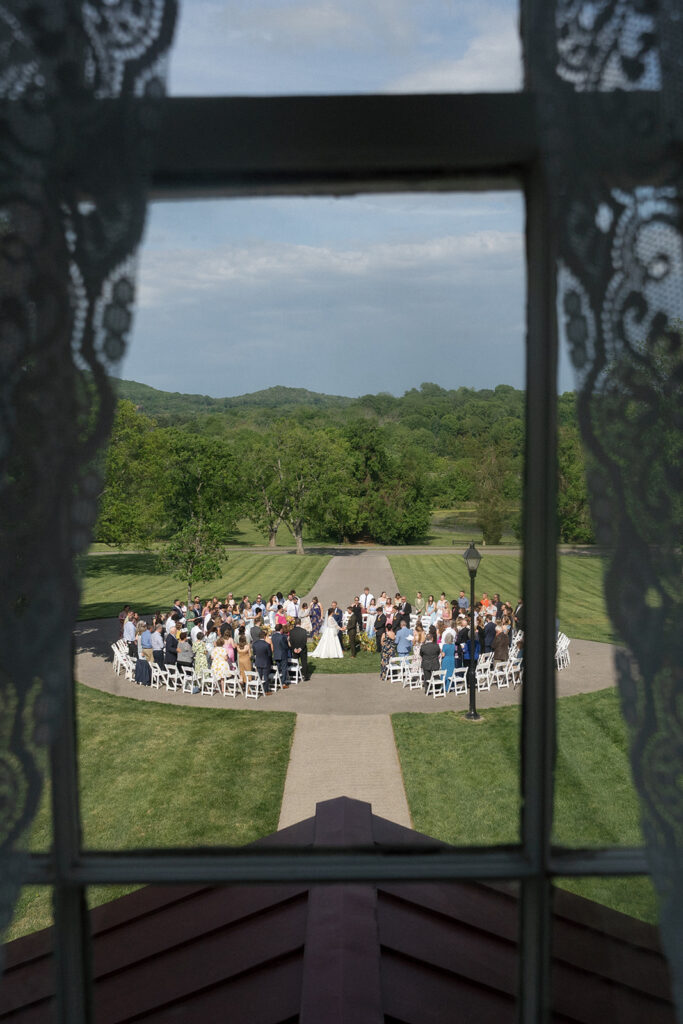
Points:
(343, 742)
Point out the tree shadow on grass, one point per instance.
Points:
(118, 564)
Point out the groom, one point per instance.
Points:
(352, 627)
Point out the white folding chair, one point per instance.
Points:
(118, 658)
(396, 670)
(171, 677)
(129, 668)
(253, 686)
(157, 676)
(275, 679)
(232, 684)
(436, 686)
(483, 671)
(294, 671)
(186, 678)
(500, 675)
(458, 681)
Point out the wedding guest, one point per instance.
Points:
(219, 664)
(448, 656)
(316, 614)
(185, 653)
(430, 654)
(243, 657)
(419, 603)
(430, 609)
(201, 662)
(388, 651)
(419, 637)
(370, 619)
(129, 635)
(158, 645)
(146, 649)
(123, 615)
(380, 627)
(501, 645)
(305, 619)
(171, 645)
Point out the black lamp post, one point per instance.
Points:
(472, 560)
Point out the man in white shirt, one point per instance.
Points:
(292, 606)
(366, 599)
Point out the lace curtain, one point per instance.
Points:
(615, 187)
(79, 83)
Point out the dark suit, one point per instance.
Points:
(407, 611)
(281, 654)
(489, 634)
(380, 629)
(298, 638)
(171, 650)
(430, 655)
(263, 660)
(352, 626)
(338, 616)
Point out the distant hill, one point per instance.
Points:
(166, 403)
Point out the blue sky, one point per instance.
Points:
(347, 296)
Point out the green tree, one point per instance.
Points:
(194, 554)
(491, 508)
(573, 511)
(130, 504)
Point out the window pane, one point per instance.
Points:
(345, 47)
(28, 983)
(608, 963)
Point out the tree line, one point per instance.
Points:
(344, 469)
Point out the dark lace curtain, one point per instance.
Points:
(79, 90)
(609, 80)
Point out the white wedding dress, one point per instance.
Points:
(329, 645)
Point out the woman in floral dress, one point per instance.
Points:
(419, 637)
(219, 663)
(201, 662)
(388, 651)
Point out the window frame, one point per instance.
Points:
(340, 145)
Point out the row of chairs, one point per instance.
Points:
(488, 673)
(183, 678)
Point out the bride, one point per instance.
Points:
(329, 645)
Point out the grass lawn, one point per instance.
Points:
(162, 775)
(365, 661)
(110, 581)
(581, 604)
(462, 785)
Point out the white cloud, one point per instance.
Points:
(179, 275)
(491, 63)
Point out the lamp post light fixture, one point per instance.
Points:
(472, 560)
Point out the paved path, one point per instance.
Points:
(344, 755)
(343, 742)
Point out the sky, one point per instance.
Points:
(345, 296)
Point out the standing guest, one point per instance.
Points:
(501, 645)
(430, 654)
(158, 645)
(419, 637)
(255, 631)
(440, 605)
(280, 653)
(201, 661)
(196, 628)
(140, 628)
(298, 643)
(518, 617)
(316, 613)
(171, 656)
(305, 618)
(448, 656)
(406, 609)
(489, 634)
(370, 619)
(259, 605)
(463, 602)
(498, 606)
(446, 613)
(185, 653)
(380, 626)
(123, 615)
(146, 643)
(404, 640)
(430, 609)
(243, 654)
(419, 603)
(271, 609)
(353, 624)
(462, 642)
(280, 616)
(388, 650)
(366, 599)
(129, 635)
(358, 611)
(291, 606)
(219, 664)
(210, 637)
(263, 660)
(231, 649)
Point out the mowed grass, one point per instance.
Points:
(163, 775)
(112, 580)
(581, 604)
(461, 782)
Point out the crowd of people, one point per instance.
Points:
(241, 635)
(443, 634)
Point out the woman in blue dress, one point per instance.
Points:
(316, 614)
(448, 656)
